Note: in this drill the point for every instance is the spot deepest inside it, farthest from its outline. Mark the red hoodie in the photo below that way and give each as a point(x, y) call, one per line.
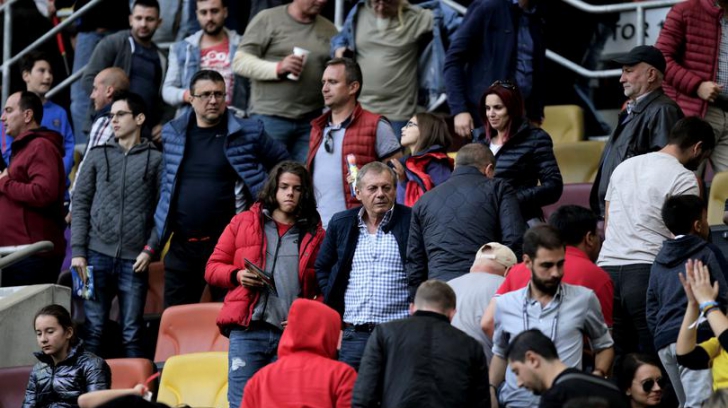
point(31, 196)
point(306, 374)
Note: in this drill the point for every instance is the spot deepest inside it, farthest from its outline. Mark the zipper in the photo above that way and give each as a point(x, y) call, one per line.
point(121, 210)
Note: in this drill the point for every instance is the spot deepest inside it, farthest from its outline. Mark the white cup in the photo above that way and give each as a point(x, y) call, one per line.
point(300, 52)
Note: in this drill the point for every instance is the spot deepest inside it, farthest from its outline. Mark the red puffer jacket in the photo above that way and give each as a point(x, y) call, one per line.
point(244, 238)
point(690, 41)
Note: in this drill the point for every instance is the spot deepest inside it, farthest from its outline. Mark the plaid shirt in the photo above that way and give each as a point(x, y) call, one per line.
point(722, 75)
point(377, 291)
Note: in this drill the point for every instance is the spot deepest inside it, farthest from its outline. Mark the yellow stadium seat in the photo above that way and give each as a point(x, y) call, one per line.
point(578, 161)
point(197, 380)
point(564, 123)
point(716, 198)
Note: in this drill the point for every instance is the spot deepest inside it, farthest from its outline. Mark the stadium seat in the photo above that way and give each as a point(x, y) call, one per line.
point(128, 372)
point(716, 198)
point(564, 123)
point(189, 329)
point(576, 194)
point(13, 381)
point(578, 161)
point(197, 380)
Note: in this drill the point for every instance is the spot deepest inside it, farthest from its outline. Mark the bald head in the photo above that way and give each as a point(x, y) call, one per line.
point(106, 83)
point(476, 155)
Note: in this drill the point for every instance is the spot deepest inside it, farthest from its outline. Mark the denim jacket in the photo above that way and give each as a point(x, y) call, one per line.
point(432, 56)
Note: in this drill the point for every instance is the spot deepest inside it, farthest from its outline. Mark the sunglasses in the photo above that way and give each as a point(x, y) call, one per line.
point(648, 385)
point(328, 142)
point(505, 84)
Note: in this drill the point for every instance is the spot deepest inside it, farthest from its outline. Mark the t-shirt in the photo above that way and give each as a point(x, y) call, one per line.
point(327, 180)
point(217, 58)
point(718, 362)
point(387, 50)
point(578, 270)
point(146, 77)
point(204, 201)
point(572, 383)
point(271, 36)
point(637, 190)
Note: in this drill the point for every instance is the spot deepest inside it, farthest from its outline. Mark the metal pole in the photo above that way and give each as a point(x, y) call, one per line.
point(68, 81)
point(339, 14)
point(6, 5)
point(640, 24)
point(612, 8)
point(581, 70)
point(7, 43)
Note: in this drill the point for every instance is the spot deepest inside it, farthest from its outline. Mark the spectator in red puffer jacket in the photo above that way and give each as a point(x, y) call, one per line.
point(306, 373)
point(280, 235)
point(694, 41)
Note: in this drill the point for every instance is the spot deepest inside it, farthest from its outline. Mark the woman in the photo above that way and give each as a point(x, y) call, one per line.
point(65, 370)
point(265, 258)
point(524, 153)
point(428, 164)
point(641, 379)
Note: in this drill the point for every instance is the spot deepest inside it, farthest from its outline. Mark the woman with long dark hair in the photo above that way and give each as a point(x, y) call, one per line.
point(265, 258)
point(427, 165)
point(524, 153)
point(640, 378)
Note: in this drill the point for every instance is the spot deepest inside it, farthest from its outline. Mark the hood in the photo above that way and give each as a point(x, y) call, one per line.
point(41, 133)
point(312, 327)
point(675, 251)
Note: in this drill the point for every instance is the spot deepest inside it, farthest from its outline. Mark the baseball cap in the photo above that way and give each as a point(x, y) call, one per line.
point(497, 252)
point(643, 53)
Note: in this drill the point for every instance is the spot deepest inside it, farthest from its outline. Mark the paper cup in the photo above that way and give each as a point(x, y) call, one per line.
point(298, 51)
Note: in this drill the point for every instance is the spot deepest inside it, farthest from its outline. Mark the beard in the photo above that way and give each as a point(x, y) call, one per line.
point(215, 30)
point(548, 287)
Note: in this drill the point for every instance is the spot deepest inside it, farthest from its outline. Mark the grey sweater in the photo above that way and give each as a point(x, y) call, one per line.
point(114, 200)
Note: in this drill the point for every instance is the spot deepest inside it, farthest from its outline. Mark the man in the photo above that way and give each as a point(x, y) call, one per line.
point(565, 313)
point(633, 224)
point(346, 129)
point(422, 360)
point(498, 40)
point(360, 267)
point(31, 191)
point(113, 209)
point(38, 78)
point(285, 84)
point(687, 219)
point(135, 53)
point(444, 238)
point(643, 127)
point(212, 47)
point(306, 367)
point(475, 290)
point(577, 226)
point(693, 30)
point(535, 362)
point(215, 164)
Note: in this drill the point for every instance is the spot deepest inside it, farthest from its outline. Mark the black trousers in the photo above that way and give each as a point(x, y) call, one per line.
point(184, 272)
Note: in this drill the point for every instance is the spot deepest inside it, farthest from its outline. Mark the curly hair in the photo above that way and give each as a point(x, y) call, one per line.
point(306, 212)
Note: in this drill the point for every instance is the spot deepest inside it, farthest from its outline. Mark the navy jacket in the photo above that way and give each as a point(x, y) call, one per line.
point(333, 264)
point(483, 50)
point(247, 147)
point(666, 300)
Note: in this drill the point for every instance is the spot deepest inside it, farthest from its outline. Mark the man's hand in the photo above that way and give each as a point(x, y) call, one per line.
point(157, 133)
point(399, 170)
point(79, 264)
point(142, 262)
point(699, 279)
point(249, 279)
point(709, 90)
point(292, 64)
point(339, 53)
point(3, 174)
point(464, 125)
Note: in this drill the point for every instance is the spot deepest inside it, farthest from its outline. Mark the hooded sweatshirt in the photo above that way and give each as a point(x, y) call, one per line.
point(31, 196)
point(666, 300)
point(306, 373)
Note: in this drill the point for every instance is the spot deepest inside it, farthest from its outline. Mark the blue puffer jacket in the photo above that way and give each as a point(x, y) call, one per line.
point(432, 58)
point(247, 147)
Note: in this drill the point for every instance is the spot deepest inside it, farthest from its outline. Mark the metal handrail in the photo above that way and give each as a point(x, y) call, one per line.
point(18, 253)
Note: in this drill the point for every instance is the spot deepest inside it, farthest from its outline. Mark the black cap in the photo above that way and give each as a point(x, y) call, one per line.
point(643, 53)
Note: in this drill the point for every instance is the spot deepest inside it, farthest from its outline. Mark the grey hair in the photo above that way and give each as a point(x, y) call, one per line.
point(378, 168)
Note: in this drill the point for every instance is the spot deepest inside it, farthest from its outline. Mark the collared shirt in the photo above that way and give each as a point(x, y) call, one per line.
point(377, 291)
point(722, 76)
point(573, 312)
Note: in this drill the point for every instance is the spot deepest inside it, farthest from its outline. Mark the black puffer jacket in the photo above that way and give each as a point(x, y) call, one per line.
point(453, 220)
point(526, 159)
point(59, 386)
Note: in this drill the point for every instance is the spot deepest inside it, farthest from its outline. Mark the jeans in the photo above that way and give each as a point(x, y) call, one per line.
point(86, 42)
point(293, 133)
point(116, 277)
point(691, 386)
point(250, 350)
point(33, 270)
point(352, 347)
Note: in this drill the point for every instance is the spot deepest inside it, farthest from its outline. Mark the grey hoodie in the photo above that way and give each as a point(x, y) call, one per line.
point(114, 200)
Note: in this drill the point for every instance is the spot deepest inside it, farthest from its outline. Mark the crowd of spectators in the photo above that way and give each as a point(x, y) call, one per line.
point(295, 171)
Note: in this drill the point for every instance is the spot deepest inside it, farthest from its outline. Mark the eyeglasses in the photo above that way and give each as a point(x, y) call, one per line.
point(119, 114)
point(410, 124)
point(328, 142)
point(504, 83)
point(206, 96)
point(648, 385)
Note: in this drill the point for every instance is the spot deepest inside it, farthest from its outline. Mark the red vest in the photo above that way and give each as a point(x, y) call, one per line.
point(360, 140)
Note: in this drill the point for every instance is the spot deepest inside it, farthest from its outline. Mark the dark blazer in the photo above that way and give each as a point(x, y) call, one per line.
point(333, 264)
